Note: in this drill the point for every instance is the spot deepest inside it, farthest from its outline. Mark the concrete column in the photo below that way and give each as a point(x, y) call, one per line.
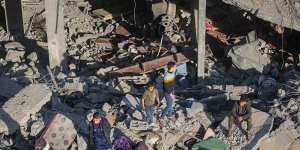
point(14, 17)
point(200, 27)
point(55, 32)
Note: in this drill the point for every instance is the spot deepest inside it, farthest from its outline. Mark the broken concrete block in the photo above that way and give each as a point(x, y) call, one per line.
point(137, 115)
point(138, 125)
point(162, 8)
point(235, 92)
point(16, 111)
point(74, 85)
point(14, 55)
point(36, 128)
point(8, 87)
point(103, 71)
point(14, 45)
point(106, 107)
point(247, 57)
point(209, 133)
point(123, 87)
point(131, 101)
point(32, 57)
point(81, 143)
point(60, 132)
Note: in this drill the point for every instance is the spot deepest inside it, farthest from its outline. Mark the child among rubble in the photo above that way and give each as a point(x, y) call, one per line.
point(241, 111)
point(168, 85)
point(99, 133)
point(149, 99)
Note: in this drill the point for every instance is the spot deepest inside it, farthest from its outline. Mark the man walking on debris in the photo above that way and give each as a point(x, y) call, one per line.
point(99, 133)
point(241, 111)
point(168, 84)
point(150, 97)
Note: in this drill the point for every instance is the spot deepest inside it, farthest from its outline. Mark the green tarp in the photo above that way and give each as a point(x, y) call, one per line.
point(210, 144)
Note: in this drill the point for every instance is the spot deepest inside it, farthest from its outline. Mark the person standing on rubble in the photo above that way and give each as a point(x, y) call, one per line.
point(241, 111)
point(150, 97)
point(99, 133)
point(168, 85)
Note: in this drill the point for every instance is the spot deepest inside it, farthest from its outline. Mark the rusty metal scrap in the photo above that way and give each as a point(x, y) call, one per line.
point(158, 63)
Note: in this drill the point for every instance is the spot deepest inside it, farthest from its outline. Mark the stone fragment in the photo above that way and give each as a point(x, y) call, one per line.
point(17, 110)
point(14, 55)
point(131, 101)
point(137, 115)
point(81, 142)
point(247, 56)
point(138, 125)
point(106, 107)
point(36, 128)
point(74, 85)
point(14, 45)
point(32, 57)
point(209, 133)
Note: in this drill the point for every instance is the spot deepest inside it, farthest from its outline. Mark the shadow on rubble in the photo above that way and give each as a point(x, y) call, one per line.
point(13, 130)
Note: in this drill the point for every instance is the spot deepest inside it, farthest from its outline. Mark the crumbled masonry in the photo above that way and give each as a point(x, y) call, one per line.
point(88, 56)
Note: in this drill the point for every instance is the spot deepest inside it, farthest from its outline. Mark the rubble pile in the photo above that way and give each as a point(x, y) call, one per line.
point(110, 59)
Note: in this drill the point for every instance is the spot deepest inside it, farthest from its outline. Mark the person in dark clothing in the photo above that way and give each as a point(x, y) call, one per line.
point(168, 85)
point(99, 133)
point(241, 111)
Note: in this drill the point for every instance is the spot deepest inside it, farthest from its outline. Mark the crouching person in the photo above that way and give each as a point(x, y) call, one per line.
point(241, 111)
point(149, 100)
point(99, 133)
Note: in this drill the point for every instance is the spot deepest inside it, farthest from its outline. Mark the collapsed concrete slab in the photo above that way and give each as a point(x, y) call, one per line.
point(282, 140)
point(282, 12)
point(262, 125)
point(60, 132)
point(17, 110)
point(8, 87)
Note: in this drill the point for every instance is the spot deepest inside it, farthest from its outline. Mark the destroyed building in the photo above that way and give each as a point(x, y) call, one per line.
point(63, 60)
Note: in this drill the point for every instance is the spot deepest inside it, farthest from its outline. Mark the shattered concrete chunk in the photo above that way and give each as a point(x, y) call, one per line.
point(8, 87)
point(138, 115)
point(247, 57)
point(16, 111)
point(36, 127)
point(32, 57)
point(14, 55)
point(235, 92)
point(75, 85)
point(106, 107)
point(130, 101)
point(60, 132)
point(14, 45)
point(81, 142)
point(138, 125)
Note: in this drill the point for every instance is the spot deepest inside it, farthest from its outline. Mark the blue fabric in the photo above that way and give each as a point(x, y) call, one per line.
point(168, 111)
point(100, 140)
point(149, 112)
